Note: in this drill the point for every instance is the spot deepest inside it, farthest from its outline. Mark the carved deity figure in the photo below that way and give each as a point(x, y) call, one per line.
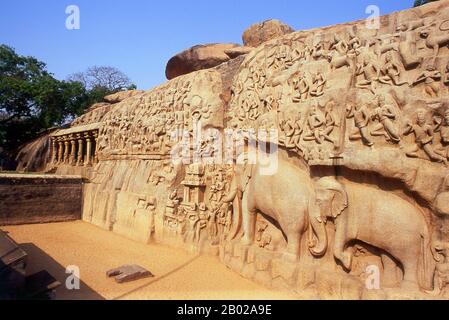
point(446, 75)
point(340, 45)
point(320, 125)
point(385, 115)
point(431, 78)
point(370, 73)
point(301, 87)
point(361, 117)
point(391, 71)
point(291, 129)
point(318, 83)
point(424, 135)
point(443, 129)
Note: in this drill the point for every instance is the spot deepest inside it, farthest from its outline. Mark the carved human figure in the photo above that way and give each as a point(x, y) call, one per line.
point(431, 78)
point(385, 115)
point(370, 73)
point(443, 128)
point(361, 117)
point(318, 83)
point(446, 75)
point(359, 213)
point(354, 44)
point(424, 135)
point(339, 44)
point(318, 51)
point(292, 130)
point(315, 123)
point(301, 87)
point(441, 278)
point(391, 71)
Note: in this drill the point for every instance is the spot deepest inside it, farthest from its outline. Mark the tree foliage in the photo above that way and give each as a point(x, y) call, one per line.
point(32, 100)
point(422, 2)
point(106, 77)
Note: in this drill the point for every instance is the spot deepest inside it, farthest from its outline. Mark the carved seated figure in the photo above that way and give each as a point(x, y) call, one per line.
point(385, 115)
point(391, 72)
point(431, 77)
point(423, 138)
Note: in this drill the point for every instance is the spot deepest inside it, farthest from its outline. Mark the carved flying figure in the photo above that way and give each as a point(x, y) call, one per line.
point(370, 73)
point(361, 117)
point(431, 78)
point(443, 128)
point(391, 71)
point(385, 115)
point(424, 135)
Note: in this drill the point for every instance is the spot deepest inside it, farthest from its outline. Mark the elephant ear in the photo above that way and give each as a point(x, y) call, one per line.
point(339, 201)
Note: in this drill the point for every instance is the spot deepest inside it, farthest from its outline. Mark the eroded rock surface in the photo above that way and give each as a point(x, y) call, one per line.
point(262, 32)
point(202, 57)
point(351, 194)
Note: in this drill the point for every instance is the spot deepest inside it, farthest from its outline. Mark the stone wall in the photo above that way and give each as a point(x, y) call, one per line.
point(361, 122)
point(26, 198)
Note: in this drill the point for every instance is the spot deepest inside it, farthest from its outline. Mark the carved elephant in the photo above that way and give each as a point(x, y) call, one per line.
point(380, 219)
point(283, 197)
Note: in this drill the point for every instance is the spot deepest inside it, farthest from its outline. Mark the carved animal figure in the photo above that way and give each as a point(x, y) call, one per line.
point(283, 196)
point(434, 41)
point(379, 218)
point(338, 61)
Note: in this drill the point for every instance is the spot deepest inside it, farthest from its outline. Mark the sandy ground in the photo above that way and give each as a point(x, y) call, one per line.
point(178, 274)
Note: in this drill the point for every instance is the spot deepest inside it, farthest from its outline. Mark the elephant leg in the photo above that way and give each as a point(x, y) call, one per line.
point(249, 221)
point(340, 252)
point(293, 245)
point(391, 270)
point(410, 266)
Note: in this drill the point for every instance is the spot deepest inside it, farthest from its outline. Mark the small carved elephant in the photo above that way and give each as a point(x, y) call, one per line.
point(381, 219)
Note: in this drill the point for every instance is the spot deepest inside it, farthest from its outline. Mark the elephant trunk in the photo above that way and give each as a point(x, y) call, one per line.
point(427, 263)
point(232, 192)
point(319, 229)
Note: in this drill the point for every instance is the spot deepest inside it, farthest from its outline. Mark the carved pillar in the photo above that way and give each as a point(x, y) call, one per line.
point(80, 161)
point(95, 146)
point(88, 160)
point(66, 150)
point(60, 150)
point(53, 150)
point(72, 151)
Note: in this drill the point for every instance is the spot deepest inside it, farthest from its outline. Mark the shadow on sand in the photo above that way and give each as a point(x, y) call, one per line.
point(39, 260)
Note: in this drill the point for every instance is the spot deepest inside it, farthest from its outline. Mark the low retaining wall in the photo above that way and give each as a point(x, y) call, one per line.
point(28, 198)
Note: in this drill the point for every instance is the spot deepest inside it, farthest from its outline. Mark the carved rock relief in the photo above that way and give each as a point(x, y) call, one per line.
point(362, 180)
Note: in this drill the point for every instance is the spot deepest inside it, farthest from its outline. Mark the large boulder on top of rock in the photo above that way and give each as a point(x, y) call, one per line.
point(121, 95)
point(202, 57)
point(262, 32)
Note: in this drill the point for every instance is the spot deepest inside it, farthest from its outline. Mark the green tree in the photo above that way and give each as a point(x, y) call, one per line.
point(422, 2)
point(32, 100)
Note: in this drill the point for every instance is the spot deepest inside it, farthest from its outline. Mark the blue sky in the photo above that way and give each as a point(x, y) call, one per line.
point(139, 36)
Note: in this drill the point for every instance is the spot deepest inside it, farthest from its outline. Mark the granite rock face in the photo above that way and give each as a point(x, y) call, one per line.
point(202, 57)
point(317, 162)
point(262, 32)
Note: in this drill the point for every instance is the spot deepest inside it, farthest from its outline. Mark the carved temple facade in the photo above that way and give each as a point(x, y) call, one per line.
point(75, 146)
